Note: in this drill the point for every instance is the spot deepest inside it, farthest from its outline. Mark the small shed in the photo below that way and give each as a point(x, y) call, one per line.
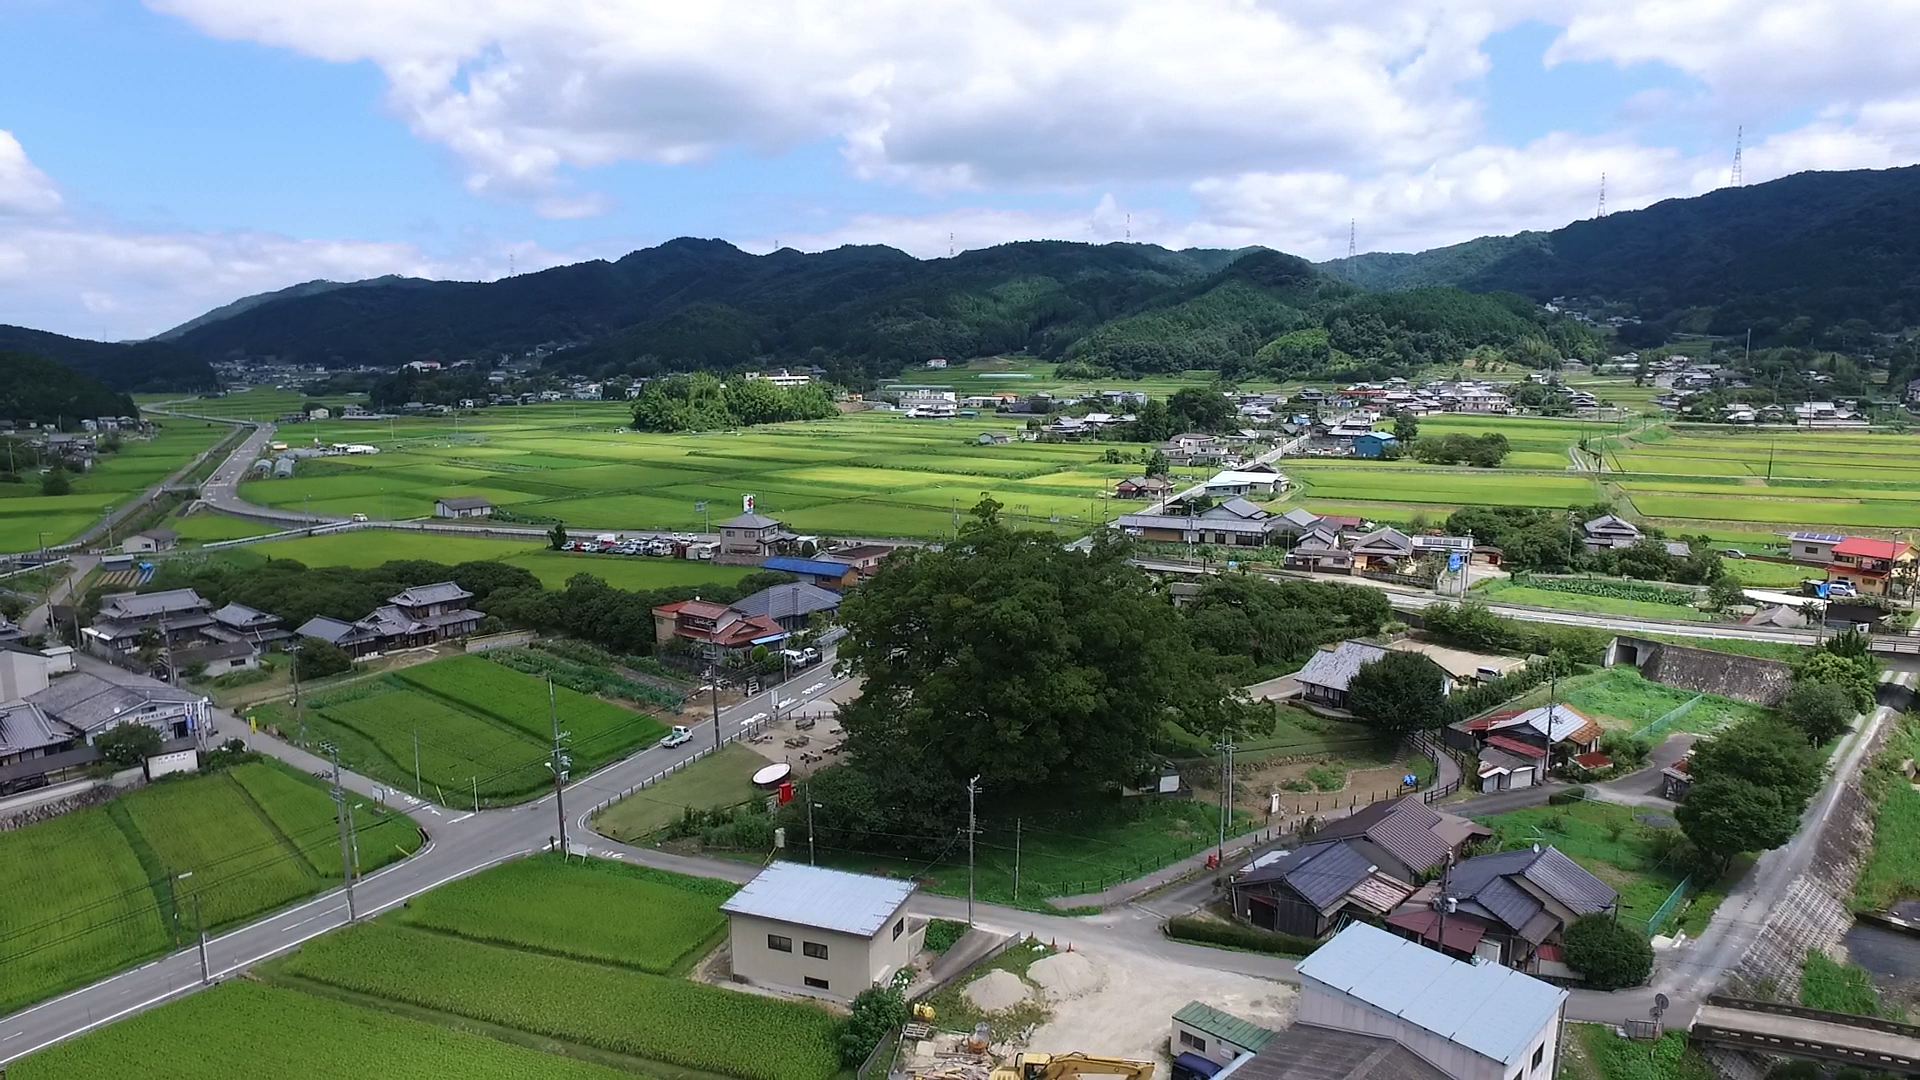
point(463, 506)
point(1375, 444)
point(825, 933)
point(150, 542)
point(1217, 1036)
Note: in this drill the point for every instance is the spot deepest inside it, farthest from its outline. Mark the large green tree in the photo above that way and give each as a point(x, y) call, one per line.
point(1767, 753)
point(1857, 675)
point(1253, 628)
point(1726, 815)
point(1822, 710)
point(1005, 655)
point(1610, 955)
point(1400, 693)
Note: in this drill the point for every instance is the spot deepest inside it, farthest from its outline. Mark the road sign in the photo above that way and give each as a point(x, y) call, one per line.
point(1453, 562)
point(700, 507)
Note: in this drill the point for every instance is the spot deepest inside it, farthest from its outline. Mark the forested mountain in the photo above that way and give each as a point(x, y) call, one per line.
point(1791, 258)
point(247, 303)
point(131, 367)
point(42, 391)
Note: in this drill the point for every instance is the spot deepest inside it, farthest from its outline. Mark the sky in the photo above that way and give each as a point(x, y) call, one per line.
point(158, 159)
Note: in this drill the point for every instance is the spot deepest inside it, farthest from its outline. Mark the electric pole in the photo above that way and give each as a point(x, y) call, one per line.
point(973, 789)
point(809, 796)
point(342, 812)
point(1016, 860)
point(559, 766)
point(713, 695)
point(1226, 749)
point(416, 763)
point(200, 930)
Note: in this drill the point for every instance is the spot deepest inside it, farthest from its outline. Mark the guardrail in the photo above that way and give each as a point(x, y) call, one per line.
point(752, 727)
point(1891, 1027)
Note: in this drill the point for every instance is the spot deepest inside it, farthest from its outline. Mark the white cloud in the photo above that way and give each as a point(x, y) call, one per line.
point(955, 95)
point(24, 189)
point(98, 279)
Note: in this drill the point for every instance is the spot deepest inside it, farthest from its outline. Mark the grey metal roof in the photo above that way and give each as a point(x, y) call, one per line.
point(149, 605)
point(818, 897)
point(1307, 1052)
point(464, 502)
point(1403, 828)
point(750, 521)
point(1611, 523)
point(165, 536)
point(1336, 667)
point(1488, 881)
point(1301, 517)
point(1237, 507)
point(793, 600)
point(88, 702)
point(330, 630)
point(244, 617)
point(1495, 1011)
point(1570, 883)
point(24, 727)
point(1385, 537)
point(1323, 873)
point(1182, 521)
point(440, 592)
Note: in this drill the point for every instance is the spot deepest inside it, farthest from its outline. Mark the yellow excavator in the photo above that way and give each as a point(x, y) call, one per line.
point(1063, 1066)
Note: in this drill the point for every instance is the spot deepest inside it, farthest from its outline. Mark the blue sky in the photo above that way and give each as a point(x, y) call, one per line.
point(159, 159)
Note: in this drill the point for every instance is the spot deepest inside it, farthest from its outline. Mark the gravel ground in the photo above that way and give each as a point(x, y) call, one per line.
point(996, 990)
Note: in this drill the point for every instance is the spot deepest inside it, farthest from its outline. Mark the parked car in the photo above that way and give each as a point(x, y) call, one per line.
point(1733, 553)
point(1841, 589)
point(356, 517)
point(679, 736)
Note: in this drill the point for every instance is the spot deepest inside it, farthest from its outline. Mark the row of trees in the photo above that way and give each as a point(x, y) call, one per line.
point(701, 402)
point(1482, 451)
point(1552, 541)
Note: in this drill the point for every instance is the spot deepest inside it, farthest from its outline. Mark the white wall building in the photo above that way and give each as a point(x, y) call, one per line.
point(826, 933)
point(1470, 1021)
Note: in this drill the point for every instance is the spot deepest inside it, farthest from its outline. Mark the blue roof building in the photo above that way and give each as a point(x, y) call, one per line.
point(1375, 444)
point(832, 575)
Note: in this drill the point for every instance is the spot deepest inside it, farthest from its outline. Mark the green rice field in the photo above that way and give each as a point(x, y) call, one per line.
point(29, 519)
point(89, 893)
point(479, 730)
point(553, 568)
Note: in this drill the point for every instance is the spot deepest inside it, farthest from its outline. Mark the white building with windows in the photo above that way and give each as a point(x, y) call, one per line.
point(825, 933)
point(1469, 1021)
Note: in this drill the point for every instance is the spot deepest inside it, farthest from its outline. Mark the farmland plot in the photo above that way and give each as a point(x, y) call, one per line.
point(245, 1029)
point(600, 731)
point(537, 904)
point(648, 1016)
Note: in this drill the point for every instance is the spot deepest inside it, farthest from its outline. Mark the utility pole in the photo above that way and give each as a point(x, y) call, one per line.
point(559, 767)
point(973, 789)
point(808, 791)
point(299, 713)
point(1226, 749)
point(416, 764)
point(342, 812)
point(713, 696)
point(1016, 860)
point(200, 930)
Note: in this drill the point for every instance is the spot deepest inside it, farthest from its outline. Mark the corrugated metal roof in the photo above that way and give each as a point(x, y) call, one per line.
point(1336, 667)
point(1570, 883)
point(1211, 1021)
point(818, 897)
point(814, 567)
point(1492, 1010)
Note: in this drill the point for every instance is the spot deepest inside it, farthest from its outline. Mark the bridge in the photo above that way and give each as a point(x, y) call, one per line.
point(1771, 1028)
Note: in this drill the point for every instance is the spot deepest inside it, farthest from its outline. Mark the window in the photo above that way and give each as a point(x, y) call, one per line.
point(1193, 1042)
point(779, 943)
point(817, 984)
point(814, 949)
point(898, 926)
point(1539, 1055)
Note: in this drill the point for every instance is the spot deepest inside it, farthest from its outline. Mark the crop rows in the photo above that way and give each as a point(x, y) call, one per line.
point(538, 904)
point(309, 822)
point(650, 1016)
point(1618, 590)
point(245, 1029)
point(599, 731)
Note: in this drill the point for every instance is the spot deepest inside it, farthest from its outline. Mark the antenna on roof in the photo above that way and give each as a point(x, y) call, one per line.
point(1739, 136)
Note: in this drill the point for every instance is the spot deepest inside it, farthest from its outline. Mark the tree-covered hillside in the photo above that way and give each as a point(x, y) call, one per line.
point(39, 390)
point(1791, 259)
point(133, 367)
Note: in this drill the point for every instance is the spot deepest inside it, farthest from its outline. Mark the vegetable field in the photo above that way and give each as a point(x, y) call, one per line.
point(88, 893)
point(1646, 593)
point(654, 1017)
point(537, 904)
point(245, 1029)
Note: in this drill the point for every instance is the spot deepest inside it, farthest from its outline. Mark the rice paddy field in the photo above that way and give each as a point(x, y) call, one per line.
point(479, 730)
point(89, 892)
point(29, 519)
point(871, 475)
point(553, 568)
point(254, 403)
point(516, 972)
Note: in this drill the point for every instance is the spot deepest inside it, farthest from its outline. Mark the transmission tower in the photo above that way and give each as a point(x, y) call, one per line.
point(1352, 227)
point(1129, 227)
point(949, 245)
point(1739, 136)
point(1603, 196)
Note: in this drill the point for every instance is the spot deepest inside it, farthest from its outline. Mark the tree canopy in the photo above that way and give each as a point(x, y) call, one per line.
point(1008, 657)
point(1610, 955)
point(1400, 693)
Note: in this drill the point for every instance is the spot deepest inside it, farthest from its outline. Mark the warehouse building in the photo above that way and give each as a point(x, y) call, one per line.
point(824, 933)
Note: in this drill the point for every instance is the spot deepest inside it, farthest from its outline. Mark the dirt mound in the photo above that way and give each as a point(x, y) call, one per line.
point(1066, 975)
point(996, 991)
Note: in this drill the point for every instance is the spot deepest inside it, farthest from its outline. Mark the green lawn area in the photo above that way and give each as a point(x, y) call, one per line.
point(722, 779)
point(1295, 732)
point(1617, 847)
point(1892, 873)
point(88, 894)
point(1506, 592)
point(206, 527)
point(1621, 699)
point(1062, 853)
point(1758, 573)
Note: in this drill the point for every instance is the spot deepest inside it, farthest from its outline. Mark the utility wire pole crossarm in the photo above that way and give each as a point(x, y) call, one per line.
point(342, 811)
point(559, 765)
point(973, 789)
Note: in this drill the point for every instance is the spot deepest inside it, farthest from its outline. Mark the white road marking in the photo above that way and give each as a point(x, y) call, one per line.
point(814, 688)
point(461, 818)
